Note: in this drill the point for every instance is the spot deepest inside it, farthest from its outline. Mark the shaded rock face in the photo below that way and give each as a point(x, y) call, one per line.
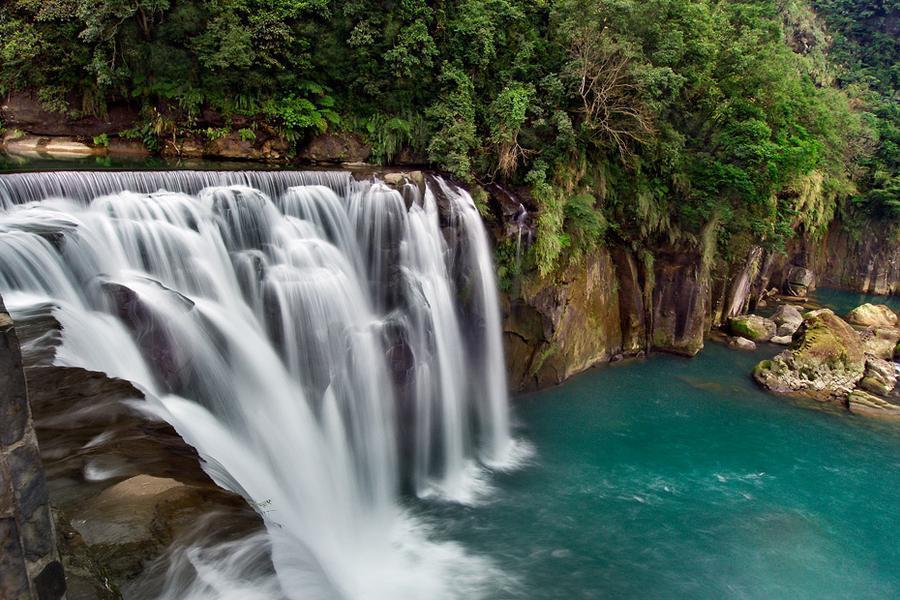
point(25, 112)
point(560, 328)
point(825, 362)
point(29, 563)
point(681, 303)
point(753, 327)
point(336, 148)
point(800, 282)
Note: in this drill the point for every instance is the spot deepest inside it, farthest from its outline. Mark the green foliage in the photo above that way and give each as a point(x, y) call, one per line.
point(702, 122)
point(101, 140)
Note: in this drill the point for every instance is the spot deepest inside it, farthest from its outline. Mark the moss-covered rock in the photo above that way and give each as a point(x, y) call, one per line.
point(752, 327)
point(825, 361)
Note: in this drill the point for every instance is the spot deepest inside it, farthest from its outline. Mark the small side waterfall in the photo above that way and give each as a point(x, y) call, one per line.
point(325, 343)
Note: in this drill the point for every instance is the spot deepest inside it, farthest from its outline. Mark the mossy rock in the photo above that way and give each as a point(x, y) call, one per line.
point(826, 361)
point(752, 327)
point(872, 315)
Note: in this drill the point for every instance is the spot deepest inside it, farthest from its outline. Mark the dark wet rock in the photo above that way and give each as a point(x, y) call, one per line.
point(800, 282)
point(93, 439)
point(25, 112)
point(335, 148)
point(681, 307)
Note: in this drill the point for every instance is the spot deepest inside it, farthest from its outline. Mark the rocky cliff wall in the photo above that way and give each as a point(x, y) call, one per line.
point(29, 562)
point(610, 305)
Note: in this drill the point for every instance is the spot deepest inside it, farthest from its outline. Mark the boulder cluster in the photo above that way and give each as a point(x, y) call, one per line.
point(848, 361)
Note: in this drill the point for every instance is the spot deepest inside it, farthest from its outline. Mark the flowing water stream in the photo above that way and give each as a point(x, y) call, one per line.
point(327, 344)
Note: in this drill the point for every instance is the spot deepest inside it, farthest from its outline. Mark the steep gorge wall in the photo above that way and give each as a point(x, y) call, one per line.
point(610, 305)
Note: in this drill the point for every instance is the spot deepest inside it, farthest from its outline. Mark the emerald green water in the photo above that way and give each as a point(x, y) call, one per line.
point(678, 478)
point(843, 302)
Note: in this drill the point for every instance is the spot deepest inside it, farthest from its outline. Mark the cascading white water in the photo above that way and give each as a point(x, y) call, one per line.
point(323, 342)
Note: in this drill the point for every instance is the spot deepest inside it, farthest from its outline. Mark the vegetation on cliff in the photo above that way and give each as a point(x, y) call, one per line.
point(700, 122)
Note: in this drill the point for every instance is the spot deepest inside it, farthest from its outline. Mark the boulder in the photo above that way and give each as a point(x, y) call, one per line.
point(872, 315)
point(788, 319)
point(782, 340)
point(800, 281)
point(753, 327)
point(879, 377)
point(880, 342)
point(825, 361)
point(741, 343)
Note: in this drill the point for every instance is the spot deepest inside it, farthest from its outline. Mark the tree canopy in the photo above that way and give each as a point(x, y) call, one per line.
point(699, 121)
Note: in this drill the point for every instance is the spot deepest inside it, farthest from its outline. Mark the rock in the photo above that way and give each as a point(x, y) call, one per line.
point(754, 327)
point(24, 111)
point(879, 377)
point(782, 340)
point(336, 148)
point(862, 402)
point(681, 305)
point(800, 281)
point(872, 315)
point(741, 343)
point(825, 362)
point(788, 319)
point(880, 342)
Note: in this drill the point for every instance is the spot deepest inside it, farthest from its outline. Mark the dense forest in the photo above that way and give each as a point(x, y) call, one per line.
point(715, 124)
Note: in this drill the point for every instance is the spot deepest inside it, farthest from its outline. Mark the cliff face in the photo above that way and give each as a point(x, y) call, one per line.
point(29, 563)
point(611, 305)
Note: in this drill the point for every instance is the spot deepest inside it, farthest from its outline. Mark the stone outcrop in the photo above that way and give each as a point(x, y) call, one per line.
point(800, 282)
point(681, 315)
point(336, 148)
point(830, 361)
point(29, 562)
point(752, 327)
point(556, 329)
point(879, 376)
point(825, 362)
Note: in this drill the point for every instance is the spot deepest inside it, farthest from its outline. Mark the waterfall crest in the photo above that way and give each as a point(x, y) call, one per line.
point(325, 343)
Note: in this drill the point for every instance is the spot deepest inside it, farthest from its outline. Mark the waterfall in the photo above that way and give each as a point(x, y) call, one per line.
point(325, 343)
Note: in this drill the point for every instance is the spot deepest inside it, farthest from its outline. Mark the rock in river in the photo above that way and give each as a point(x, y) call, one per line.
point(752, 327)
point(825, 362)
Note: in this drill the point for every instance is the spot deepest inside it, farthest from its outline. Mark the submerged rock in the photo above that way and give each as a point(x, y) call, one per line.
point(862, 402)
point(741, 343)
point(872, 315)
point(753, 327)
point(825, 362)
